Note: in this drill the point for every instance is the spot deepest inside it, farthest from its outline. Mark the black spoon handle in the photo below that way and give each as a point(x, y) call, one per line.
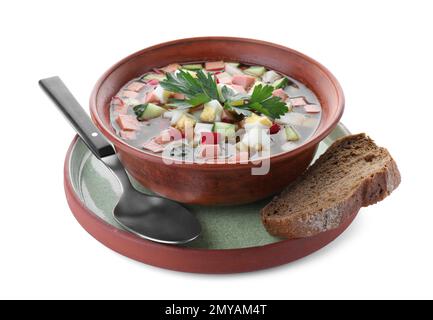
point(69, 106)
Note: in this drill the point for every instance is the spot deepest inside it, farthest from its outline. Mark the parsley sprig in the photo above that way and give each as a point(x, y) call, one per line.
point(263, 102)
point(203, 88)
point(233, 101)
point(196, 90)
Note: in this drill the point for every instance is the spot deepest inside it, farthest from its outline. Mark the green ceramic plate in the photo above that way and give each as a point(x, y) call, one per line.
point(223, 227)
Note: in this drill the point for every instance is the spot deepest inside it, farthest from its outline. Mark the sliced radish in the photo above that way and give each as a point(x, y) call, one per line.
point(214, 65)
point(275, 128)
point(153, 82)
point(298, 101)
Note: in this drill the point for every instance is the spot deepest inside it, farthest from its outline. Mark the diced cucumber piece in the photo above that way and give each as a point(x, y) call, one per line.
point(270, 76)
point(281, 83)
point(192, 67)
point(227, 130)
point(291, 134)
point(153, 76)
point(220, 89)
point(148, 111)
point(256, 71)
point(233, 64)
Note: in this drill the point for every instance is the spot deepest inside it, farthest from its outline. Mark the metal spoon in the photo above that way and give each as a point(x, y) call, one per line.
point(150, 217)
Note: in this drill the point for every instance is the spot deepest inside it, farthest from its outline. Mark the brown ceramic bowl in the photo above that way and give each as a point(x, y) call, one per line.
point(209, 184)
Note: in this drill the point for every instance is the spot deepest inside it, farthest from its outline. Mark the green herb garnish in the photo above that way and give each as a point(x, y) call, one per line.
point(208, 84)
point(196, 90)
point(203, 89)
point(234, 101)
point(185, 104)
point(230, 95)
point(263, 102)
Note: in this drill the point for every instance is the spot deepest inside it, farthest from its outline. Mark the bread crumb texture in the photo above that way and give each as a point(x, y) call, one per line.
point(353, 173)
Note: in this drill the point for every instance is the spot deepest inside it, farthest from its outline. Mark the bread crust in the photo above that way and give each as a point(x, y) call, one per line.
point(371, 190)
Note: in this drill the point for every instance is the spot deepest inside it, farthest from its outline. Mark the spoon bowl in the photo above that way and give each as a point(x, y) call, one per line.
point(153, 218)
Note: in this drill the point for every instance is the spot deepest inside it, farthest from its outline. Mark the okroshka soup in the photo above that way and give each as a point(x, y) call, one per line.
point(214, 112)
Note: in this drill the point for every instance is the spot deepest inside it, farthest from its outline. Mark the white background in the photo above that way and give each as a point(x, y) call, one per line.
point(381, 52)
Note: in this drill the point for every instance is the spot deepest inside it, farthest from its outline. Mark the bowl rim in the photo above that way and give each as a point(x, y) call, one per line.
point(316, 137)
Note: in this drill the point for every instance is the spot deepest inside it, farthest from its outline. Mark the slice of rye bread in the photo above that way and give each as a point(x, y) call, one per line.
point(353, 173)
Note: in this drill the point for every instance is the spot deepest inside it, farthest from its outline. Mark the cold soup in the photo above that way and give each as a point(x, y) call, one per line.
point(215, 111)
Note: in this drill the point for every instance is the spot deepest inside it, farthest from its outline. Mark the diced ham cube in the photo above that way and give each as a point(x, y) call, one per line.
point(281, 94)
point(128, 135)
point(238, 89)
point(239, 157)
point(312, 108)
point(158, 95)
point(119, 105)
point(298, 101)
point(151, 97)
point(120, 109)
point(179, 96)
point(127, 122)
point(214, 65)
point(243, 80)
point(129, 94)
point(135, 86)
point(171, 68)
point(209, 151)
point(210, 138)
point(168, 135)
point(153, 146)
point(153, 82)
